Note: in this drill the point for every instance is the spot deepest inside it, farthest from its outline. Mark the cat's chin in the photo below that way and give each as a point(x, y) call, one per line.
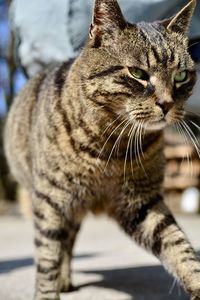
point(154, 126)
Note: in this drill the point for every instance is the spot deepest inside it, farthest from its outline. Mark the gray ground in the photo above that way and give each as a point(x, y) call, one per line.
point(107, 265)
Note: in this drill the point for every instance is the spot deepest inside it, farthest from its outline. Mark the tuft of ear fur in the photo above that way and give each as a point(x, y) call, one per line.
point(181, 21)
point(106, 18)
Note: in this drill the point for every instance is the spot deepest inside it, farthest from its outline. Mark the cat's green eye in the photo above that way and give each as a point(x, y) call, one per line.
point(138, 73)
point(180, 76)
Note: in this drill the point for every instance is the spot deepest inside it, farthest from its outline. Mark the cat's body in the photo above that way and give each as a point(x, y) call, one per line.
point(89, 137)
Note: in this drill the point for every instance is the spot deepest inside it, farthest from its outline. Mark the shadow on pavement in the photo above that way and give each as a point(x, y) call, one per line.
point(140, 283)
point(11, 265)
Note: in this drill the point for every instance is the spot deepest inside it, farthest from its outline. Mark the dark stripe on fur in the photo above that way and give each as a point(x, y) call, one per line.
point(38, 243)
point(131, 83)
point(131, 223)
point(165, 223)
point(53, 234)
point(41, 77)
point(53, 277)
point(67, 125)
point(68, 176)
point(123, 82)
point(38, 214)
point(186, 259)
point(96, 102)
point(60, 76)
point(188, 250)
point(107, 94)
point(175, 243)
point(53, 182)
point(172, 57)
point(91, 151)
point(88, 131)
point(156, 55)
point(45, 270)
point(109, 71)
point(92, 97)
point(48, 200)
point(148, 62)
point(64, 116)
point(37, 88)
point(97, 42)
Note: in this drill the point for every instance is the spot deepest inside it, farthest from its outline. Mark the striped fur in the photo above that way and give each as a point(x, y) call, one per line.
point(88, 136)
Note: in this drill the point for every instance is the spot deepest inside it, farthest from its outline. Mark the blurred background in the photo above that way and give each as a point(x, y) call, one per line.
point(39, 33)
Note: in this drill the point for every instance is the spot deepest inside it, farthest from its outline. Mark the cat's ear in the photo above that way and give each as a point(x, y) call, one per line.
point(181, 21)
point(107, 17)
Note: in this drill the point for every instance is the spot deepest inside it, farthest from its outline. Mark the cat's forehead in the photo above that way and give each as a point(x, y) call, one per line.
point(153, 46)
point(154, 33)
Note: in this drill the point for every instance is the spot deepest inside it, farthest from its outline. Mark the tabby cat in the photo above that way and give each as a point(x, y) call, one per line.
point(88, 136)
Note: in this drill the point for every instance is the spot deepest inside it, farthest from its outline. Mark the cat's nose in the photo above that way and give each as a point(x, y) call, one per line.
point(165, 106)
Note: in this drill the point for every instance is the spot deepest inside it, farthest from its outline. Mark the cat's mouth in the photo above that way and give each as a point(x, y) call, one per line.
point(157, 125)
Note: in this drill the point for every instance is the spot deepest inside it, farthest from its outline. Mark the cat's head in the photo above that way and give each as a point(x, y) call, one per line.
point(141, 71)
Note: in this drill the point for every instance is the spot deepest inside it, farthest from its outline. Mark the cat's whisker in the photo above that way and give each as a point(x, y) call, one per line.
point(196, 43)
point(138, 148)
point(191, 136)
point(195, 125)
point(135, 147)
point(185, 139)
point(127, 148)
point(138, 143)
point(191, 113)
point(131, 148)
point(111, 152)
point(182, 135)
point(111, 124)
point(190, 163)
point(141, 134)
point(114, 130)
point(117, 147)
point(191, 132)
point(172, 286)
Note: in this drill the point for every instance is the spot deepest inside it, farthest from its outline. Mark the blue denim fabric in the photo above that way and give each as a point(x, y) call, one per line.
point(37, 43)
point(150, 10)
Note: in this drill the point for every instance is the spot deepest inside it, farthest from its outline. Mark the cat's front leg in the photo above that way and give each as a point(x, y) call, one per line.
point(65, 278)
point(152, 225)
point(54, 239)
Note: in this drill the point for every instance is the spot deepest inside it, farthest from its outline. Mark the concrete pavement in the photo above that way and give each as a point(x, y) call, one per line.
point(107, 264)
